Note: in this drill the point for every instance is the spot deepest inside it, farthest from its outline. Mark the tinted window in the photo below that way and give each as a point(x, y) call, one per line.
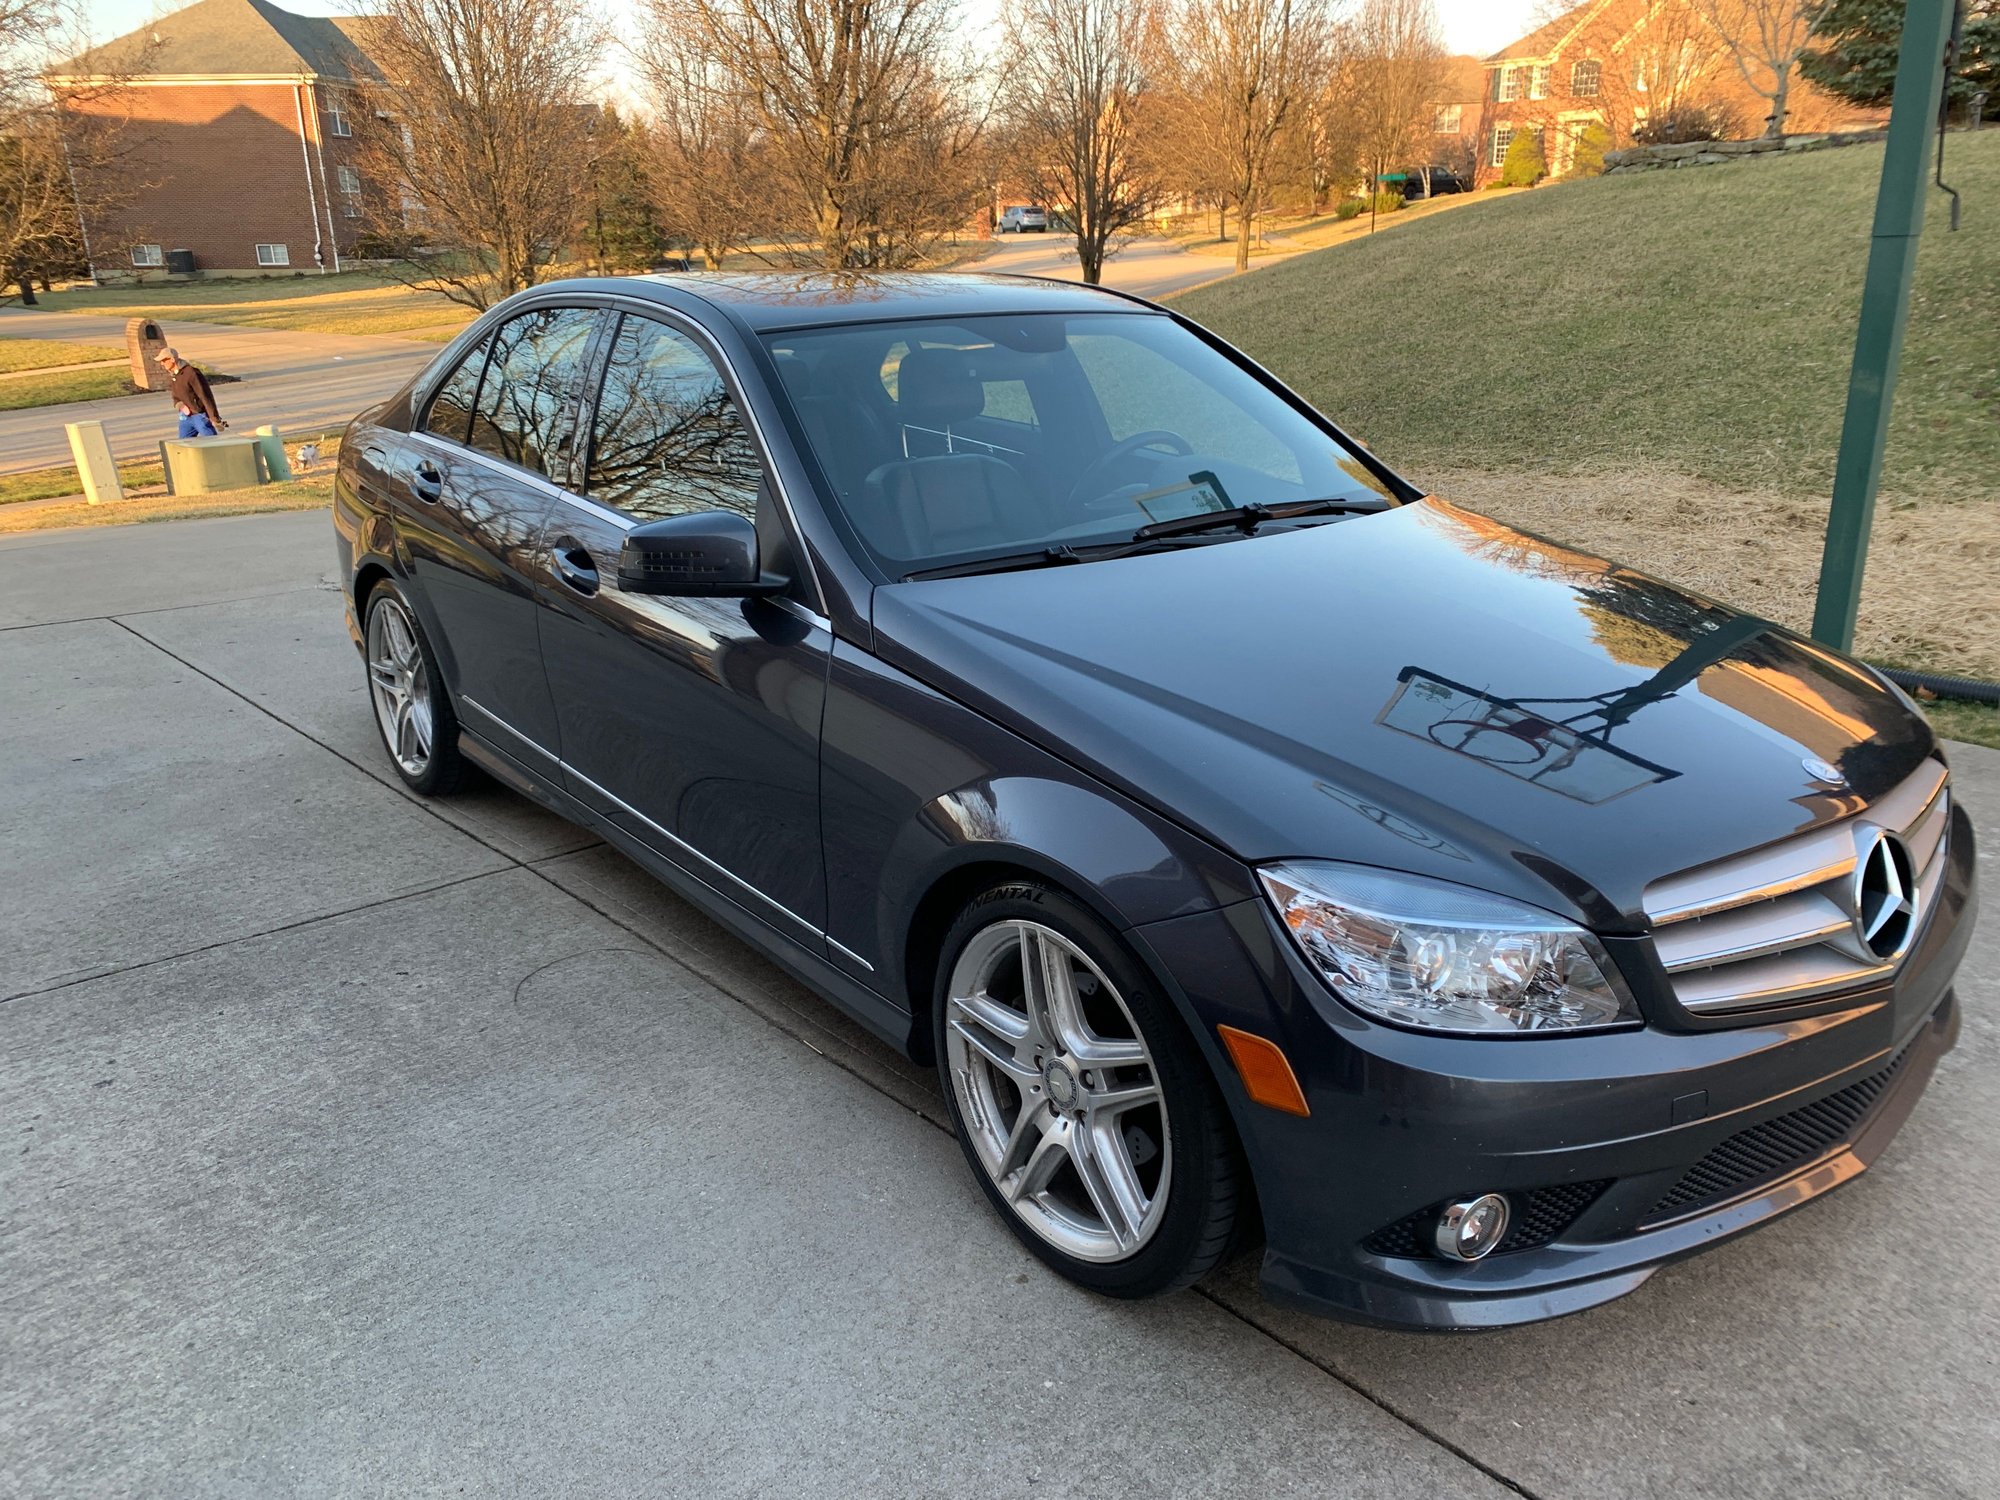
point(532, 380)
point(451, 408)
point(668, 441)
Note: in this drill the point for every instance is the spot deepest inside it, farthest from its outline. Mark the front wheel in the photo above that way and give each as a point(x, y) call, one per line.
point(412, 709)
point(1089, 1118)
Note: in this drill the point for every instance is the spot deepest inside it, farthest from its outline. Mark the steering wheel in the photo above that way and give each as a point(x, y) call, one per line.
point(1090, 483)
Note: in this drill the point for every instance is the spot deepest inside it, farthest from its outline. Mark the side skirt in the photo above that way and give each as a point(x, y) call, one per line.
point(887, 1020)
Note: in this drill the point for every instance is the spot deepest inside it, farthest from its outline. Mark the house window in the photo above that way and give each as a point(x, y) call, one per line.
point(1503, 137)
point(1448, 119)
point(1585, 78)
point(336, 119)
point(1510, 84)
point(350, 191)
point(273, 255)
point(1538, 82)
point(148, 255)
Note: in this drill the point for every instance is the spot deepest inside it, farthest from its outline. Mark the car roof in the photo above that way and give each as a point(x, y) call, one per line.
point(765, 301)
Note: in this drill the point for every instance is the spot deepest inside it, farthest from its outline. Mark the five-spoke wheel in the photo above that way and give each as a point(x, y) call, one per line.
point(1079, 1099)
point(411, 708)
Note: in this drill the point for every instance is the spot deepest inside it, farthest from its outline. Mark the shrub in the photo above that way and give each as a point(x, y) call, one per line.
point(1523, 165)
point(1684, 122)
point(1588, 158)
point(1350, 208)
point(1387, 200)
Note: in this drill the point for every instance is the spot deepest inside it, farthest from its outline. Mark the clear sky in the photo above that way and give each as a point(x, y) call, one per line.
point(1475, 26)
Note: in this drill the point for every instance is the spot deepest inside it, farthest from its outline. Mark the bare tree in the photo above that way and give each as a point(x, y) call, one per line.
point(708, 182)
point(484, 140)
point(843, 94)
point(1240, 69)
point(1398, 72)
point(1074, 102)
point(68, 156)
point(1765, 39)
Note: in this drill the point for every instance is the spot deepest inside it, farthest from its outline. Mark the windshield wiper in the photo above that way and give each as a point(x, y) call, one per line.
point(1247, 518)
point(1243, 518)
point(1041, 557)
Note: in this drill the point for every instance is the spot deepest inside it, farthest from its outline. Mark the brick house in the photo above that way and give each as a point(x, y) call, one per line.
point(1622, 63)
point(1456, 118)
point(242, 123)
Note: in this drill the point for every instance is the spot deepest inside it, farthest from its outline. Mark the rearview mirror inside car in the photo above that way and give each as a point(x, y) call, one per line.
point(709, 555)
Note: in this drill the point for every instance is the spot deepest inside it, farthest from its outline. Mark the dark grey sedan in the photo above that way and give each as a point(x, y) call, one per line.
point(1260, 847)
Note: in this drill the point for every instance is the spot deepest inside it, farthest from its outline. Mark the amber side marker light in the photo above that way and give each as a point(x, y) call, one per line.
point(1266, 1073)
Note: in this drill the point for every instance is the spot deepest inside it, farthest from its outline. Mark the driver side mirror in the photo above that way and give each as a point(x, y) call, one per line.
point(712, 555)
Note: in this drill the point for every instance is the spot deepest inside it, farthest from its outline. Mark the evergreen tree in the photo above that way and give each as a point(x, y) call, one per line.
point(623, 232)
point(1588, 158)
point(1856, 43)
point(1523, 165)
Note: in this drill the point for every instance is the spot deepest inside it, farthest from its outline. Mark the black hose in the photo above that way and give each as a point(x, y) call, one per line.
point(1944, 687)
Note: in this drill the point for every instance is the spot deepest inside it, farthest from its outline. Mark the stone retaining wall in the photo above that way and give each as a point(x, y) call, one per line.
point(1708, 153)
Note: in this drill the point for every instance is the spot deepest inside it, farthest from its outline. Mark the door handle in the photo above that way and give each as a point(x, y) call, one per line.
point(427, 482)
point(574, 565)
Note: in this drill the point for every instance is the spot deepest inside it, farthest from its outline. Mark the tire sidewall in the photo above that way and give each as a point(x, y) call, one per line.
point(1196, 1124)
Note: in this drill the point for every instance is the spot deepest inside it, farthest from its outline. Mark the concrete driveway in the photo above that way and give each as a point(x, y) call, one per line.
point(300, 381)
point(355, 1145)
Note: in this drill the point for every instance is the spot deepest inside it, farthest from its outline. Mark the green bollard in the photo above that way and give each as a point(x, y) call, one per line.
point(272, 447)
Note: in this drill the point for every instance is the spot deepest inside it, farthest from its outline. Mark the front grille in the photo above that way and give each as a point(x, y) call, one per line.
point(1762, 1154)
point(1781, 923)
point(1539, 1216)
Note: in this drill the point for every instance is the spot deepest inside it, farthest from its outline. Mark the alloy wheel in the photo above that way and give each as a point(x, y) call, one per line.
point(400, 684)
point(1058, 1091)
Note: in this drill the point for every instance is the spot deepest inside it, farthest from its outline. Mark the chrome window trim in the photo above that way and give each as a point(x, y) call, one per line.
point(799, 611)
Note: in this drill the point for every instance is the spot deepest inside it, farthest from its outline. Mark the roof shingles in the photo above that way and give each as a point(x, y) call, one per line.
point(230, 39)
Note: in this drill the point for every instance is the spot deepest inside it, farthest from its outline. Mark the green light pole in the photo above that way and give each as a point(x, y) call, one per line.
point(1885, 311)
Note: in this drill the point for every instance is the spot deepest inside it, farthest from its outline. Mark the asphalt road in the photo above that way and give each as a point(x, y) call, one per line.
point(357, 1145)
point(299, 381)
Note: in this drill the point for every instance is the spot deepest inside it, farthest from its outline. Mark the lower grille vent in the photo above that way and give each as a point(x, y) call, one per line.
point(1766, 1152)
point(1539, 1216)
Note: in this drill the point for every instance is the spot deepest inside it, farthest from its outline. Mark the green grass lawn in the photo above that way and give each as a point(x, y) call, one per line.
point(44, 354)
point(57, 387)
point(350, 302)
point(312, 492)
point(1700, 319)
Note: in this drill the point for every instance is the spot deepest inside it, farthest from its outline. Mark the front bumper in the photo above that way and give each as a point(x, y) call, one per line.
point(1633, 1148)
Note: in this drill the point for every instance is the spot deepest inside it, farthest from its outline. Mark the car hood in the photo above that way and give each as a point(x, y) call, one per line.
point(1423, 689)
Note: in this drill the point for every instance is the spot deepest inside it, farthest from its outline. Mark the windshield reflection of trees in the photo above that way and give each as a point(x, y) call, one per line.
point(527, 397)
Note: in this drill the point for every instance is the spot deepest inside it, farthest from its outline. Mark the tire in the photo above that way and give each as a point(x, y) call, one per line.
point(1127, 1196)
point(413, 709)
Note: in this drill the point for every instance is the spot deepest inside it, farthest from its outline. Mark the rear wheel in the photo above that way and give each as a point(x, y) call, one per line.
point(412, 709)
point(1088, 1117)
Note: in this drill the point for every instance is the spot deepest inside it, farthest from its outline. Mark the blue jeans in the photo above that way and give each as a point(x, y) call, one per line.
point(197, 425)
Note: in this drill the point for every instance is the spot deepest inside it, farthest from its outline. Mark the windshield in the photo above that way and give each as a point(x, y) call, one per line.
point(949, 441)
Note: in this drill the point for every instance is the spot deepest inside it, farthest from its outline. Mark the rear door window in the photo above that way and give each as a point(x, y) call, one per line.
point(527, 402)
point(451, 408)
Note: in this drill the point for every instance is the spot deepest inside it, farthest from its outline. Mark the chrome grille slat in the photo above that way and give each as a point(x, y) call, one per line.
point(1788, 921)
point(1775, 925)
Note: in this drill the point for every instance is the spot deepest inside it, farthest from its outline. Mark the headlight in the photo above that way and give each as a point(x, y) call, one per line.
point(1443, 957)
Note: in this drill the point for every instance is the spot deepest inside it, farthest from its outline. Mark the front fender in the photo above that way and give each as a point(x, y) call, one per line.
point(921, 794)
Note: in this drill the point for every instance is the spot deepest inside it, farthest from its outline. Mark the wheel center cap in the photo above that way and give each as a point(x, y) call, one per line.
point(1061, 1084)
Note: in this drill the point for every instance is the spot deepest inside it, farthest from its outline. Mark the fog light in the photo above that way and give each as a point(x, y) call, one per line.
point(1472, 1228)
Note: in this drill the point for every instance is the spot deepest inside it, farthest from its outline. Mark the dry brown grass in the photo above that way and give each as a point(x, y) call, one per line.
point(1931, 600)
